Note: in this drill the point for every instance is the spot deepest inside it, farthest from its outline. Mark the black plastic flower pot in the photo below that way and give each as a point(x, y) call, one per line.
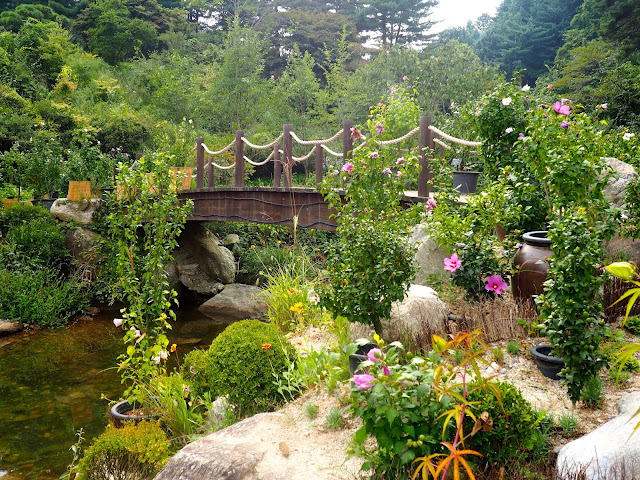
point(465, 181)
point(548, 365)
point(355, 359)
point(121, 412)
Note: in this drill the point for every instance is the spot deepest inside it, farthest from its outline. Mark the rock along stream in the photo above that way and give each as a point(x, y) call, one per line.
point(52, 384)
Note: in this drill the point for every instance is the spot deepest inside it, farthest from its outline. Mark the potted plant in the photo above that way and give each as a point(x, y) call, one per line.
point(465, 180)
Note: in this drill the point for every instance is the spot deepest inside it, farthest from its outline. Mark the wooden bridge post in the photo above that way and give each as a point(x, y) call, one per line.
point(288, 155)
point(277, 166)
point(239, 177)
point(200, 162)
point(426, 147)
point(319, 161)
point(347, 140)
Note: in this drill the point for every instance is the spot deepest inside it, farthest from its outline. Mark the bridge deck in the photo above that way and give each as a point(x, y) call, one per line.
point(275, 206)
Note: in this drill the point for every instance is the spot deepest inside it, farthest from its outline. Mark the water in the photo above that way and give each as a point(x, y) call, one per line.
point(52, 384)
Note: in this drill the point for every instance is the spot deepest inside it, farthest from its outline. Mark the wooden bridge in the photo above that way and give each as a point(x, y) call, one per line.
point(282, 203)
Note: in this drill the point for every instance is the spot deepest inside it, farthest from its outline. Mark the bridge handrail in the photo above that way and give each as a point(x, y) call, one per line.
point(284, 160)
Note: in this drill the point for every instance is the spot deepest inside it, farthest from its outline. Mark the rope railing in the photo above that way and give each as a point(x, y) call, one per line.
point(219, 152)
point(331, 152)
point(284, 160)
point(398, 140)
point(262, 147)
point(316, 142)
point(459, 141)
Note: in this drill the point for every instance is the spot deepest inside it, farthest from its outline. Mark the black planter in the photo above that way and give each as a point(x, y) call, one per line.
point(120, 413)
point(43, 202)
point(106, 192)
point(355, 359)
point(549, 366)
point(465, 181)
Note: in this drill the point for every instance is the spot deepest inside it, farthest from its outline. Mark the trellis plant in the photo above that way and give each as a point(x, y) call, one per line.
point(372, 266)
point(145, 227)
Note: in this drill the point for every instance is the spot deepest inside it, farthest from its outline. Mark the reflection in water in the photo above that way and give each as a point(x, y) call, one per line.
point(52, 384)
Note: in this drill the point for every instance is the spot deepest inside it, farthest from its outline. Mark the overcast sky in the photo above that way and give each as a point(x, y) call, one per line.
point(456, 13)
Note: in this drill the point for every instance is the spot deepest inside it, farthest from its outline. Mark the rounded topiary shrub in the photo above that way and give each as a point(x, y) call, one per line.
point(240, 364)
point(516, 432)
point(134, 452)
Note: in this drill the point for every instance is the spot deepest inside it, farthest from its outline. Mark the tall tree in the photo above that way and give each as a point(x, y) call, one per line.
point(394, 22)
point(526, 35)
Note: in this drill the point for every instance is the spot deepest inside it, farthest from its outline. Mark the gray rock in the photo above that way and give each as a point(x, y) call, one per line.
point(195, 279)
point(236, 302)
point(82, 244)
point(429, 255)
point(9, 326)
point(625, 172)
point(607, 451)
point(214, 259)
point(416, 318)
point(80, 212)
point(229, 454)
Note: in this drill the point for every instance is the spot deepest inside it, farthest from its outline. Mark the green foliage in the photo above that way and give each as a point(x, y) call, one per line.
point(87, 162)
point(514, 347)
point(40, 297)
point(516, 430)
point(373, 264)
point(632, 364)
point(134, 451)
point(633, 325)
point(143, 250)
point(334, 419)
point(592, 394)
point(38, 243)
point(182, 414)
point(241, 363)
point(568, 422)
point(324, 367)
point(20, 214)
point(311, 410)
point(497, 354)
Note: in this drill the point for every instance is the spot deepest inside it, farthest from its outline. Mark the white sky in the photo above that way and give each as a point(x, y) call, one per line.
point(456, 13)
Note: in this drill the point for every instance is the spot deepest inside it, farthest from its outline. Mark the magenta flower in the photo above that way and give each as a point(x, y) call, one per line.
point(453, 263)
point(386, 171)
point(564, 125)
point(347, 167)
point(550, 86)
point(374, 355)
point(385, 370)
point(379, 128)
point(519, 245)
point(117, 322)
point(374, 155)
point(430, 205)
point(400, 161)
point(561, 109)
point(392, 90)
point(364, 381)
point(355, 133)
point(405, 78)
point(495, 284)
point(604, 106)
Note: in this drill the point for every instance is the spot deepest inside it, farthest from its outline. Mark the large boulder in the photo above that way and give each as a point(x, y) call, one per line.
point(429, 255)
point(80, 212)
point(82, 243)
point(607, 451)
point(236, 302)
point(413, 321)
point(625, 173)
point(263, 447)
point(9, 326)
point(202, 262)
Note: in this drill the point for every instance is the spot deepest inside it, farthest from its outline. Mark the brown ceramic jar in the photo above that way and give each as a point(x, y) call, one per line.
point(531, 266)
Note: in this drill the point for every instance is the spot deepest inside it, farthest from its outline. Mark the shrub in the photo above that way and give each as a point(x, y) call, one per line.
point(592, 394)
point(40, 297)
point(19, 214)
point(241, 363)
point(497, 354)
point(633, 325)
point(40, 243)
point(334, 419)
point(568, 422)
point(514, 348)
point(134, 452)
point(516, 426)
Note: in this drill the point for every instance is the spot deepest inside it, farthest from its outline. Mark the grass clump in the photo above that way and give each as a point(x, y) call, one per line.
point(514, 348)
point(568, 422)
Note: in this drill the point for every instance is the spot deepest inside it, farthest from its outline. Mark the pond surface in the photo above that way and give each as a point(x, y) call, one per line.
point(52, 383)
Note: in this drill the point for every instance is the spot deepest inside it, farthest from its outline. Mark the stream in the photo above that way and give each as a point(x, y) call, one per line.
point(55, 382)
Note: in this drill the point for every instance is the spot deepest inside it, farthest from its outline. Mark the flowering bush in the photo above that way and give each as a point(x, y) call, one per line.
point(413, 408)
point(372, 265)
point(145, 225)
